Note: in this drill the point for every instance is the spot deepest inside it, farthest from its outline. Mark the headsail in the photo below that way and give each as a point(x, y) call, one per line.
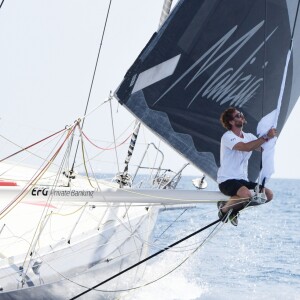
point(207, 56)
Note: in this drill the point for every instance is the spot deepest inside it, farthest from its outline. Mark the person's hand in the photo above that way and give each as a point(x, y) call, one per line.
point(271, 133)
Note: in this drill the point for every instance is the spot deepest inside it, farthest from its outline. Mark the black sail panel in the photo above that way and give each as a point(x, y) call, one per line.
point(207, 56)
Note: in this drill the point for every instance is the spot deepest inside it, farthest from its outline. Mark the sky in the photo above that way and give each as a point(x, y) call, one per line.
point(48, 51)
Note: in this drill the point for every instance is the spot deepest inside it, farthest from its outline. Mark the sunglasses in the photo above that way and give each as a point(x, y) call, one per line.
point(238, 116)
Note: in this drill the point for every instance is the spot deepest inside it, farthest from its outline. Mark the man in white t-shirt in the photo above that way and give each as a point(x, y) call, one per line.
point(236, 149)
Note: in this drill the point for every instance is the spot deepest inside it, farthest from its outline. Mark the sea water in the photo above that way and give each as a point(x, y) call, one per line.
point(258, 259)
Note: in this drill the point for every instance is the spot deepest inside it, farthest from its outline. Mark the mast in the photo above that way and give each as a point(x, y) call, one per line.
point(165, 12)
point(123, 178)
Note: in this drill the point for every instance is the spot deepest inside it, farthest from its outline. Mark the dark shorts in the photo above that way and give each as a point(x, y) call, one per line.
point(231, 186)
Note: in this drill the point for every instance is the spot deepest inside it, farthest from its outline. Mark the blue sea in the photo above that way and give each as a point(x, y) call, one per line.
point(258, 259)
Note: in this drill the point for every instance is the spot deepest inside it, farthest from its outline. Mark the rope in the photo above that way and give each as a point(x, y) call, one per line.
point(35, 179)
point(210, 235)
point(16, 164)
point(84, 160)
point(294, 27)
point(172, 270)
point(146, 259)
point(93, 78)
point(268, 153)
point(43, 220)
point(23, 149)
point(167, 228)
point(113, 130)
point(105, 149)
point(97, 60)
point(98, 154)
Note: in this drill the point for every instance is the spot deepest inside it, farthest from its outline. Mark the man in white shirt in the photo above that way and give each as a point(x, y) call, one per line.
point(236, 149)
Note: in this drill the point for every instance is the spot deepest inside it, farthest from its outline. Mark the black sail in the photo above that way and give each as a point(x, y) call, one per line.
point(209, 55)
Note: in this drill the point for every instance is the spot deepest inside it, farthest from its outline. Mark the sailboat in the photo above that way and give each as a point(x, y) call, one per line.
point(62, 233)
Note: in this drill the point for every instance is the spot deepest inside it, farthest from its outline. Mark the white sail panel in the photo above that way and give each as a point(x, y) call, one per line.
point(156, 74)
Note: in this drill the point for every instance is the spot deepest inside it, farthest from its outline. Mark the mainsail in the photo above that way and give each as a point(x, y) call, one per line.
point(209, 55)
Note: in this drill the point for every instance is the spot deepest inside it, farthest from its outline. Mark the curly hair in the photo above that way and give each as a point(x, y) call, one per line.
point(226, 117)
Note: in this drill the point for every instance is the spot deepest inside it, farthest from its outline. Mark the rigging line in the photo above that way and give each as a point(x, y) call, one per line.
point(179, 248)
point(262, 102)
point(156, 158)
point(152, 245)
point(147, 258)
point(79, 165)
point(84, 159)
point(150, 170)
point(67, 160)
point(44, 215)
point(96, 65)
point(134, 234)
point(294, 26)
point(96, 182)
point(16, 164)
point(283, 82)
point(27, 147)
point(130, 228)
point(1, 4)
point(108, 204)
point(35, 178)
point(93, 173)
point(264, 69)
point(264, 92)
point(159, 247)
point(93, 78)
point(121, 222)
point(157, 238)
point(113, 130)
point(127, 160)
point(105, 149)
point(213, 232)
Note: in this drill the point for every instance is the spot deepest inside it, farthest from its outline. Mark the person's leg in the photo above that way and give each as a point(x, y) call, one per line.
point(269, 194)
point(237, 202)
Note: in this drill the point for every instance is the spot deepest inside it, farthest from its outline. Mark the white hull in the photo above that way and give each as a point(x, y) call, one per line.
point(86, 260)
point(57, 245)
point(83, 264)
point(76, 245)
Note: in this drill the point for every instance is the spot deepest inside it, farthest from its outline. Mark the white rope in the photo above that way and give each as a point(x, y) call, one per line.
point(113, 130)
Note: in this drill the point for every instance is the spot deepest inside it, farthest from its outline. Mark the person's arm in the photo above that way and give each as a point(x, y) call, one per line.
point(250, 146)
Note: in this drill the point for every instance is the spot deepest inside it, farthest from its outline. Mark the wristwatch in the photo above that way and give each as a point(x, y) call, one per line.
point(265, 137)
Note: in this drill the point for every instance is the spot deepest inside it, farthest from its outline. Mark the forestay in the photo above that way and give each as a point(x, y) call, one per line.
point(207, 56)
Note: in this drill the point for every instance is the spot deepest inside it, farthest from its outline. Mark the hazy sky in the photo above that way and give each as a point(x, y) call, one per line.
point(48, 51)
